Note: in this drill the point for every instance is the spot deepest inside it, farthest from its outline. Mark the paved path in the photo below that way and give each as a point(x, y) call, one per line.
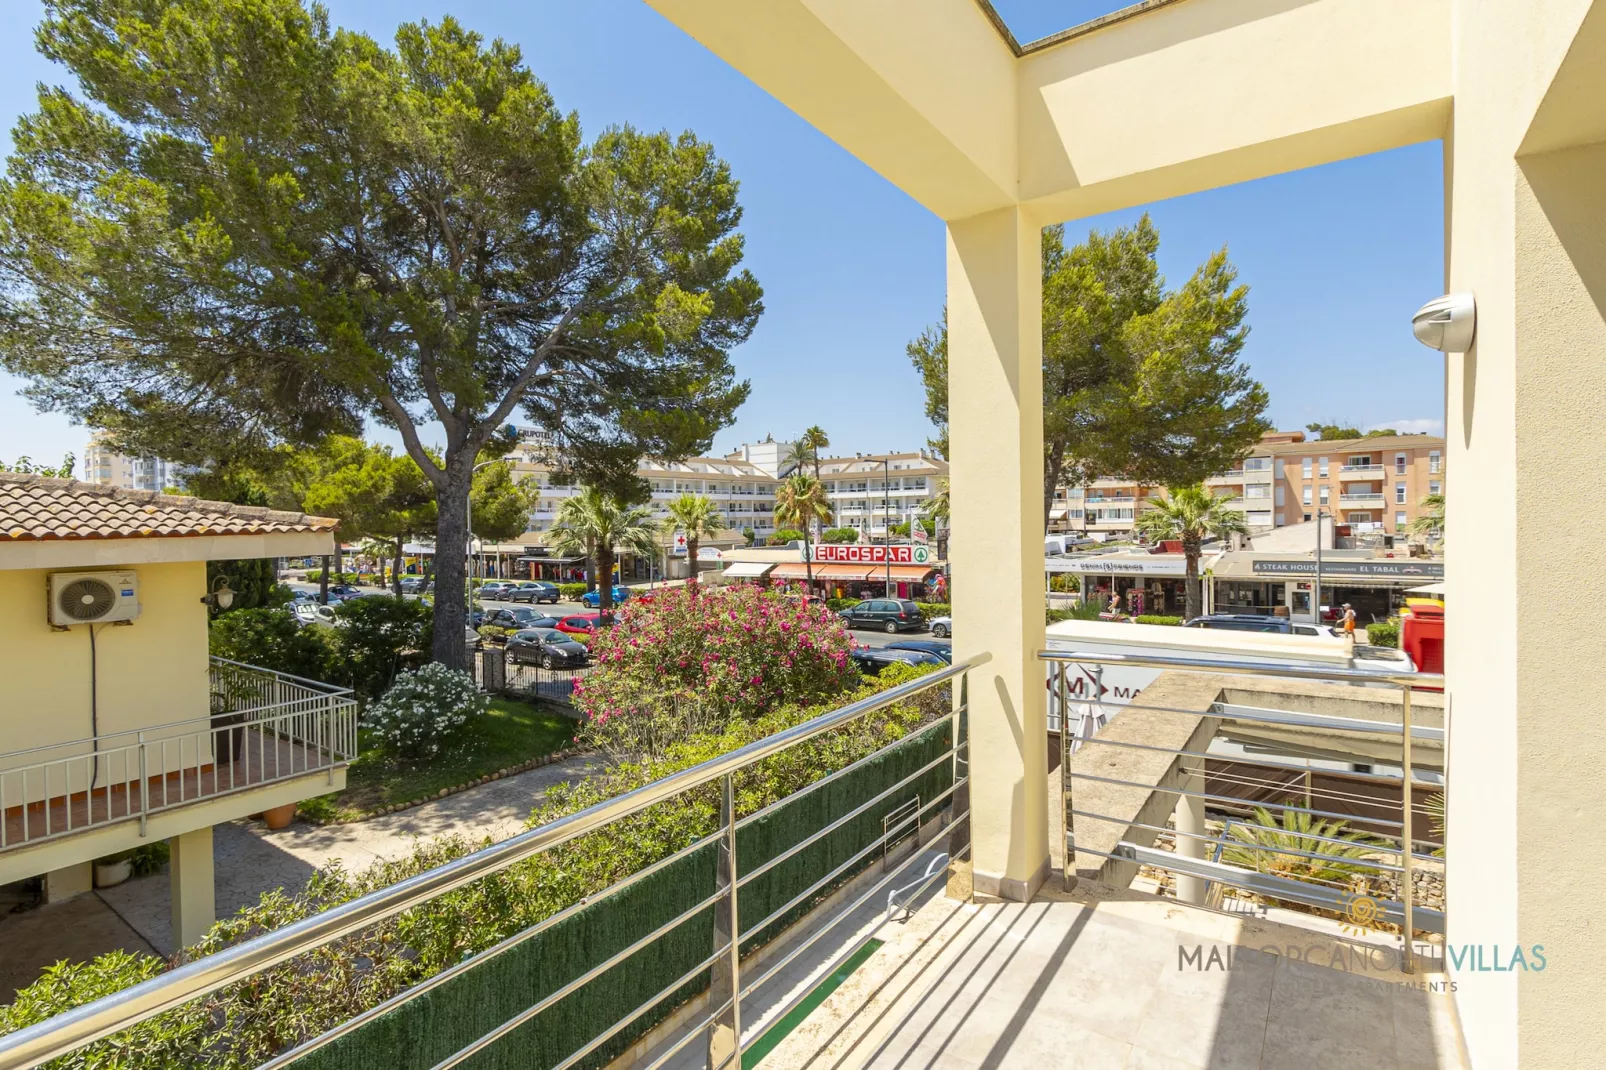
point(251, 860)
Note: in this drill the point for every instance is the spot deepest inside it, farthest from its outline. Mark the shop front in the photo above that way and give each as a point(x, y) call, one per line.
point(865, 571)
point(1147, 584)
point(1247, 582)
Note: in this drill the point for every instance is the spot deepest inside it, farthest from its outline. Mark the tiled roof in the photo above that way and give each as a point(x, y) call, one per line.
point(33, 508)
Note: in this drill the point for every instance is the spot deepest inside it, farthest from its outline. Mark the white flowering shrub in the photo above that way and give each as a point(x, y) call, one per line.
point(424, 709)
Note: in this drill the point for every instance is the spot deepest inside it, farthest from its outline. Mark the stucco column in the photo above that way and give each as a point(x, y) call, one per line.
point(69, 881)
point(995, 409)
point(1189, 821)
point(194, 903)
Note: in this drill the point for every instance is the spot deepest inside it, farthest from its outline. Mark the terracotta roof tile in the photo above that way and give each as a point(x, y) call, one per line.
point(34, 508)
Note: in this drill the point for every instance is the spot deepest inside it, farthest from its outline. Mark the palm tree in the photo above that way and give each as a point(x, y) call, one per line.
point(1285, 848)
point(798, 500)
point(1190, 514)
point(806, 451)
point(597, 525)
point(1432, 518)
point(696, 516)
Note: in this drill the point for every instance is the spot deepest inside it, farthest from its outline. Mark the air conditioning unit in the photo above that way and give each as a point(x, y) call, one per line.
point(93, 597)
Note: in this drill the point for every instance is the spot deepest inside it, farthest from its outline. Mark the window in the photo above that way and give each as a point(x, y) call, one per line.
point(1304, 498)
point(1399, 494)
point(1399, 464)
point(1325, 491)
point(1279, 504)
point(1258, 491)
point(1433, 462)
point(1280, 524)
point(1304, 466)
point(1435, 487)
point(1279, 468)
point(1399, 525)
point(1257, 464)
point(1321, 465)
point(1307, 518)
point(1362, 461)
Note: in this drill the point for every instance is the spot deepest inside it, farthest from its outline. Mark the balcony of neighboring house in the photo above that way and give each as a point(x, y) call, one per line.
point(1370, 471)
point(263, 729)
point(1361, 497)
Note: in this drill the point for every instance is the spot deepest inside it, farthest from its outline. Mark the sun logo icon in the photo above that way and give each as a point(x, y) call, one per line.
point(1363, 915)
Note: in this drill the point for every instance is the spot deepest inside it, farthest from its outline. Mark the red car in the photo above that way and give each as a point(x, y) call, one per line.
point(579, 623)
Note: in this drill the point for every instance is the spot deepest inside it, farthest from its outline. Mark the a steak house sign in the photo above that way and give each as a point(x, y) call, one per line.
point(1422, 569)
point(871, 554)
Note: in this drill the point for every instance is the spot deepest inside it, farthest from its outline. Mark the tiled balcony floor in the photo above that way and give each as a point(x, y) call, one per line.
point(1093, 979)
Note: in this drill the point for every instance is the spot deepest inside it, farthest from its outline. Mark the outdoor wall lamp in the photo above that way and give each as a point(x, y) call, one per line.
point(220, 594)
point(1447, 323)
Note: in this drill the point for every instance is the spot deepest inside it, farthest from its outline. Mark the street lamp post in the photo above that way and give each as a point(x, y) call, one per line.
point(886, 512)
point(1316, 604)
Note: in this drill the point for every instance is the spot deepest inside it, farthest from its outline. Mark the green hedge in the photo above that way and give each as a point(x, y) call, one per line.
point(842, 603)
point(1151, 618)
point(571, 591)
point(936, 609)
point(314, 575)
point(1384, 633)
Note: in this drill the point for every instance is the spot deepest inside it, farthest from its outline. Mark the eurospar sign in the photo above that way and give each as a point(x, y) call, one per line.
point(863, 554)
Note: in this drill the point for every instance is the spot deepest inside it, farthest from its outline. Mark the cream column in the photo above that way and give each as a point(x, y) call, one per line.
point(190, 882)
point(1189, 821)
point(995, 412)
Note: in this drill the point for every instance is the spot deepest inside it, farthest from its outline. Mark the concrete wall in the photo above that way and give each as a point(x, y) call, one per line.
point(150, 672)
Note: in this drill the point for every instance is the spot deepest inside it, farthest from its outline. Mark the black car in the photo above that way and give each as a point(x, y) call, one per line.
point(891, 615)
point(546, 647)
point(532, 591)
point(945, 651)
point(871, 660)
point(516, 619)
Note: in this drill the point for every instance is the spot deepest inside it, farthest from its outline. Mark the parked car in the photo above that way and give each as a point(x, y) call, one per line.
point(412, 585)
point(1255, 622)
point(533, 592)
point(945, 651)
point(871, 660)
point(579, 623)
point(493, 591)
point(547, 647)
point(513, 618)
point(471, 638)
point(343, 590)
point(312, 613)
point(942, 627)
point(891, 615)
point(594, 598)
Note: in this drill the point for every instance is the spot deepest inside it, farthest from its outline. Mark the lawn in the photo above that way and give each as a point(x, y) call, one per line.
point(512, 733)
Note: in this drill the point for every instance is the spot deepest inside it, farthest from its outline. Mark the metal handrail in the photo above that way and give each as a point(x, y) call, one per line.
point(83, 1025)
point(317, 685)
point(1414, 680)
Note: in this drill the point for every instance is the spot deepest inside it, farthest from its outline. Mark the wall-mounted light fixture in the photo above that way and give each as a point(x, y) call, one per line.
point(1447, 323)
point(220, 595)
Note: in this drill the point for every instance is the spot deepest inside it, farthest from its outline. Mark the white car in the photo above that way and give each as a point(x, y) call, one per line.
point(313, 613)
point(942, 627)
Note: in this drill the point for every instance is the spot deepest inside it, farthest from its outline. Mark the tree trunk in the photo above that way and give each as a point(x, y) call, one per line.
point(396, 567)
point(1194, 601)
point(604, 580)
point(808, 562)
point(451, 546)
point(1051, 478)
point(323, 581)
point(339, 565)
point(691, 557)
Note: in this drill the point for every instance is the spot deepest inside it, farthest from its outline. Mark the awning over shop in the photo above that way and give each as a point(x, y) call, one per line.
point(553, 560)
point(906, 573)
point(746, 570)
point(796, 570)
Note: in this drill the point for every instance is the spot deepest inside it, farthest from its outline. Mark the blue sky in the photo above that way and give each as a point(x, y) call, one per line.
point(1336, 258)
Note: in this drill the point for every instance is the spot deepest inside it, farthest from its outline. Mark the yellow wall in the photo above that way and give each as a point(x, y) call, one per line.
point(151, 672)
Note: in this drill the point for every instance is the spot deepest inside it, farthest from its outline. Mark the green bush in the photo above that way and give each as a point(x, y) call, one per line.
point(424, 709)
point(271, 639)
point(1064, 582)
point(936, 609)
point(491, 631)
point(784, 536)
point(570, 592)
point(144, 860)
point(1154, 618)
point(374, 634)
point(1384, 633)
point(839, 535)
point(840, 604)
point(316, 574)
point(251, 1022)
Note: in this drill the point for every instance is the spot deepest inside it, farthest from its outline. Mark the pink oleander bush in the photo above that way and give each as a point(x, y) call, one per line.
point(692, 660)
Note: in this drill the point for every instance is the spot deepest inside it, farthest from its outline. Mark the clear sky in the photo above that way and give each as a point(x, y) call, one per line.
point(1336, 258)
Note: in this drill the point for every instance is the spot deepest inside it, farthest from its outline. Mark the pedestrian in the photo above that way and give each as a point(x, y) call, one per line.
point(1349, 621)
point(1115, 605)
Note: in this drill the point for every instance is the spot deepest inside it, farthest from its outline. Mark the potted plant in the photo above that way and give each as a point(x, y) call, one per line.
point(279, 817)
point(113, 869)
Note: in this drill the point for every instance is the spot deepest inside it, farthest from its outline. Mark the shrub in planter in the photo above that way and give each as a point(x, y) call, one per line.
point(1384, 633)
point(691, 660)
point(935, 609)
point(269, 638)
point(1155, 618)
point(571, 591)
point(424, 709)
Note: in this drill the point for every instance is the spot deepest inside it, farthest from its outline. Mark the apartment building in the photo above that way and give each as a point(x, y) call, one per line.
point(106, 466)
point(867, 491)
point(1372, 484)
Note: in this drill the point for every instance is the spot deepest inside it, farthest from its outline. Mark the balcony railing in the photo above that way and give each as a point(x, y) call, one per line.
point(1360, 469)
point(1363, 496)
point(896, 812)
point(262, 727)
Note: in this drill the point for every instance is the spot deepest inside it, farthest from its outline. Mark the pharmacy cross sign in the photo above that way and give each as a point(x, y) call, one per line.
point(871, 554)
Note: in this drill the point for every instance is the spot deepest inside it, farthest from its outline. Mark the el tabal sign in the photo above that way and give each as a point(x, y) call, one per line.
point(1381, 569)
point(870, 554)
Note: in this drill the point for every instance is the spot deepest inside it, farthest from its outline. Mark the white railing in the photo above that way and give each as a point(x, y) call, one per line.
point(1351, 468)
point(1365, 496)
point(262, 726)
